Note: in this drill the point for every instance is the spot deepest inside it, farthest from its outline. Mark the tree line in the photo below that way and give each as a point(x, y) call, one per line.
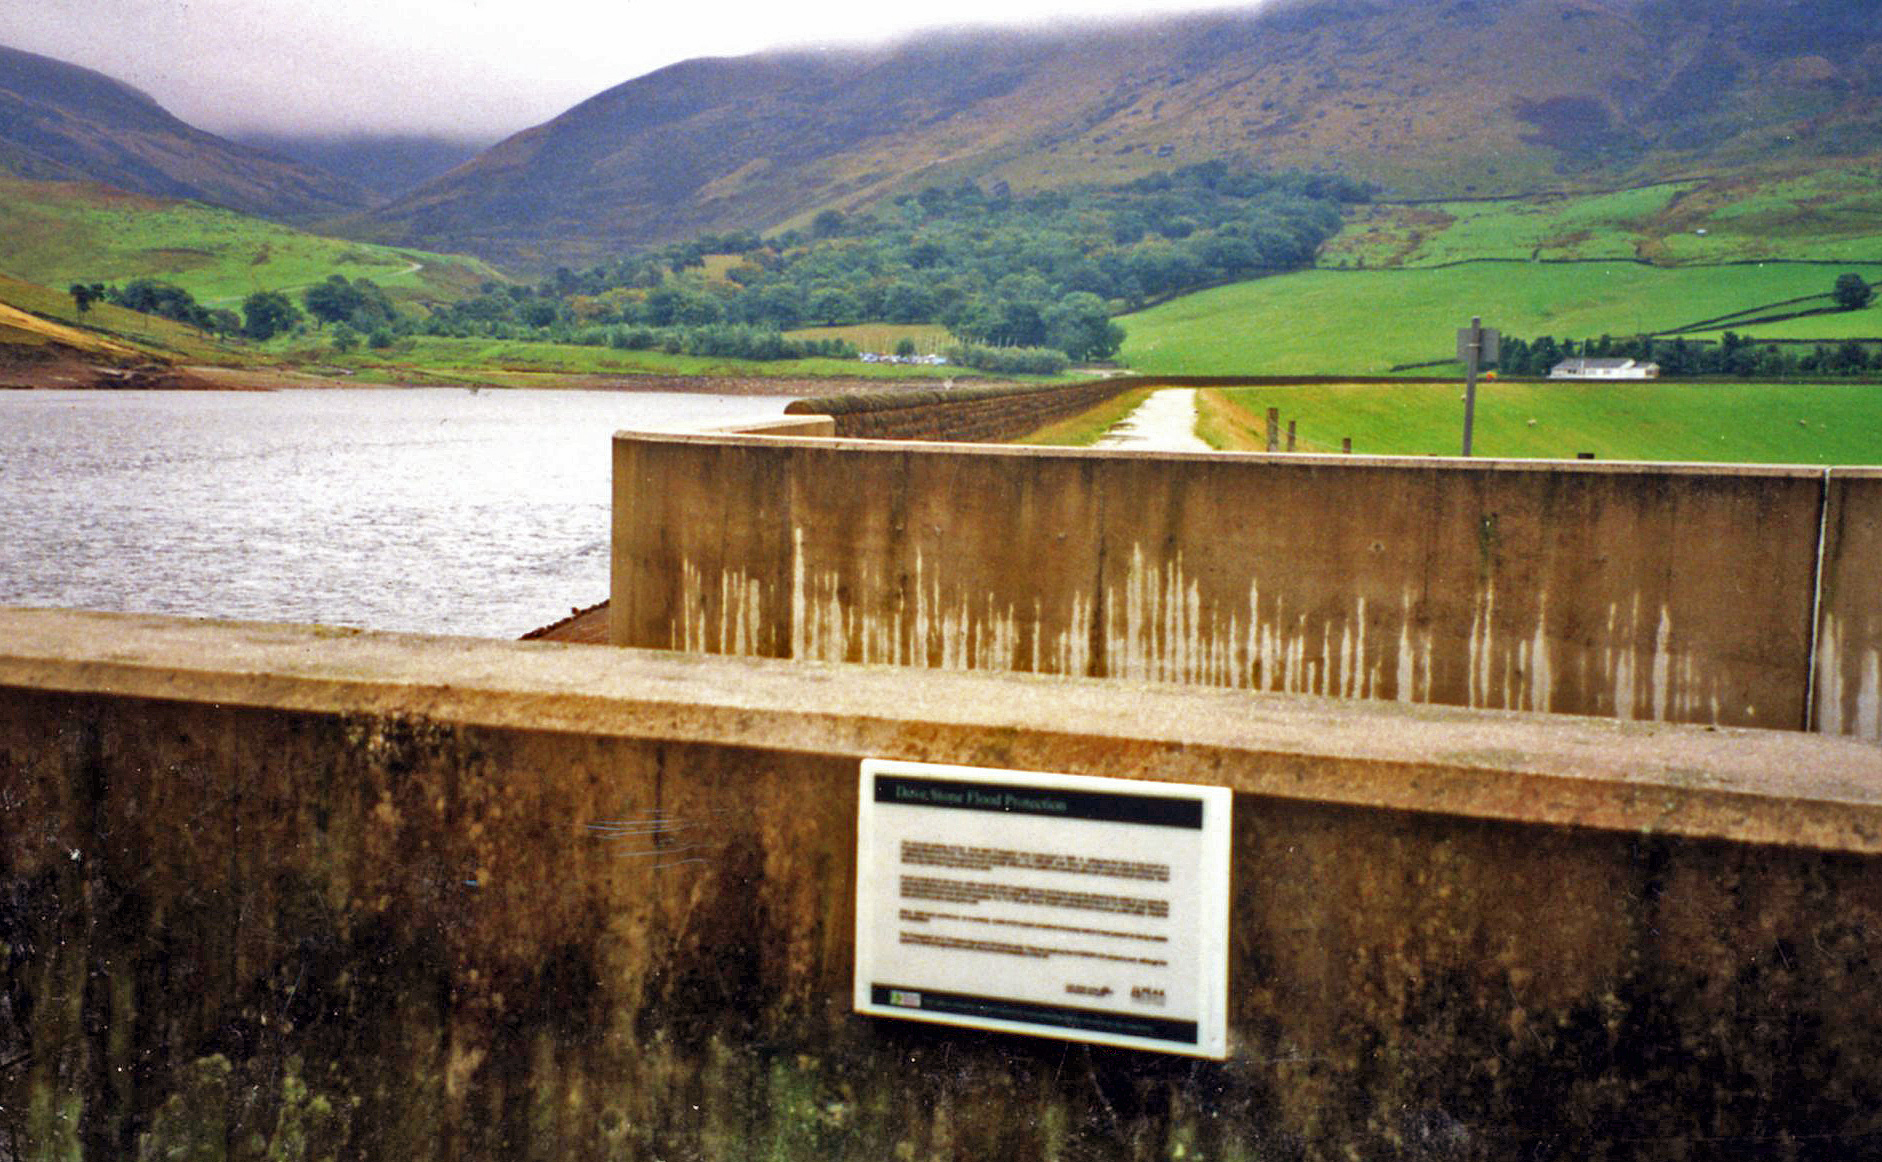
point(1046, 270)
point(1038, 276)
point(1734, 356)
point(264, 314)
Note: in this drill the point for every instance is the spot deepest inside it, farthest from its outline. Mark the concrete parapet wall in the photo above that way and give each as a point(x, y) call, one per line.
point(1848, 678)
point(282, 892)
point(966, 413)
point(1662, 592)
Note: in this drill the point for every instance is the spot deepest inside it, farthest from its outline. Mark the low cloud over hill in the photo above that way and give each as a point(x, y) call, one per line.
point(1461, 97)
point(62, 122)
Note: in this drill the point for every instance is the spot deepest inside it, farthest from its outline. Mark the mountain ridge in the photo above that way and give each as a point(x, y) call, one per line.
point(383, 165)
point(1450, 99)
point(1456, 98)
point(61, 122)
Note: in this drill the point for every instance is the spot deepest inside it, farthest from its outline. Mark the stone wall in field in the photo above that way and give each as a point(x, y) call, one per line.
point(278, 892)
point(1681, 593)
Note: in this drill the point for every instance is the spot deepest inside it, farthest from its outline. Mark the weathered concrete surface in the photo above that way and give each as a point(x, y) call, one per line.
point(279, 892)
point(1660, 592)
point(1849, 640)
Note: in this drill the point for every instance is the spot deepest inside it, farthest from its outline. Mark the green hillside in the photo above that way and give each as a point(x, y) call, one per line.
point(1452, 99)
point(58, 233)
point(60, 122)
point(1367, 321)
point(34, 317)
point(1740, 423)
point(1827, 214)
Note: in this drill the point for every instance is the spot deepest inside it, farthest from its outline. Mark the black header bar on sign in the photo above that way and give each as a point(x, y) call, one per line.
point(1054, 803)
point(917, 1001)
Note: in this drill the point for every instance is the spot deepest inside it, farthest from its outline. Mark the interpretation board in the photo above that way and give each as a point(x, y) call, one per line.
point(1064, 906)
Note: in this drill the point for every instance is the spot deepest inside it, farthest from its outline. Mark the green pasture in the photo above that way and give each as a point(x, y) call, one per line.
point(1831, 214)
point(1557, 228)
point(1331, 322)
point(1837, 325)
point(1736, 423)
point(1085, 429)
point(57, 234)
point(929, 338)
point(1823, 215)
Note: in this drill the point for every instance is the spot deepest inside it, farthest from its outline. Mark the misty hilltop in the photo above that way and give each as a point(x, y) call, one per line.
point(60, 122)
point(384, 165)
point(1454, 98)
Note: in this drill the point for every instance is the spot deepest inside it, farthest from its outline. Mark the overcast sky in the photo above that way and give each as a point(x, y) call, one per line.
point(475, 69)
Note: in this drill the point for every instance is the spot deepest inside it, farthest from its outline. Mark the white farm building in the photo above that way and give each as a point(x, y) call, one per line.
point(1604, 369)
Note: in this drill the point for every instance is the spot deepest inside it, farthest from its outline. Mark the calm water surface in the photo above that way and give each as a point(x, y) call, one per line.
point(431, 510)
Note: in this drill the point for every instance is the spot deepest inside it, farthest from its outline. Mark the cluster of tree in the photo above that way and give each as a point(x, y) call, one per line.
point(359, 311)
point(1851, 292)
point(359, 304)
point(264, 314)
point(150, 297)
point(1734, 356)
point(997, 269)
point(1039, 273)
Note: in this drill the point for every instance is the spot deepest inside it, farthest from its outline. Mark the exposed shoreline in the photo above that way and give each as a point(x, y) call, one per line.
point(69, 375)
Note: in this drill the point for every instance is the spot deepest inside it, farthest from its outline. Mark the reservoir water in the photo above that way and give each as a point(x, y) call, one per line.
point(430, 510)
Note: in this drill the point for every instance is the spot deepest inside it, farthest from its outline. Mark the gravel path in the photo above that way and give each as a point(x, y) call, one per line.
point(1165, 422)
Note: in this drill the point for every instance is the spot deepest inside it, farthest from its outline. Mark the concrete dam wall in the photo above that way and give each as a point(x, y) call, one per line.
point(1714, 594)
point(297, 893)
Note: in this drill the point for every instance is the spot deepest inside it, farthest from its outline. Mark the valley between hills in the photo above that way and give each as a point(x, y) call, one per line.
point(1312, 190)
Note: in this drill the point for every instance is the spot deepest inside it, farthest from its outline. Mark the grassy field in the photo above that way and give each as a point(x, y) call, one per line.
point(929, 338)
point(1596, 226)
point(1866, 324)
point(1082, 431)
point(1366, 321)
point(1821, 215)
point(1738, 423)
point(56, 234)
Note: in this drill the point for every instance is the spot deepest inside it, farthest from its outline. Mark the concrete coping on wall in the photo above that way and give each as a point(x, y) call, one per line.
point(786, 432)
point(1738, 785)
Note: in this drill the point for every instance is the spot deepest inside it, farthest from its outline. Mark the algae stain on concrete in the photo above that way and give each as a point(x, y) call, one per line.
point(1161, 621)
point(1849, 683)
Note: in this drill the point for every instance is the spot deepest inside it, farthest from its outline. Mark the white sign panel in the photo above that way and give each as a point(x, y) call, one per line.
point(1058, 905)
